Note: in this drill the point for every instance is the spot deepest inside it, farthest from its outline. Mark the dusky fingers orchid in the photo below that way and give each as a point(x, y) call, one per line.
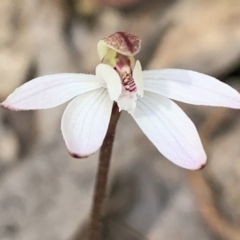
point(144, 94)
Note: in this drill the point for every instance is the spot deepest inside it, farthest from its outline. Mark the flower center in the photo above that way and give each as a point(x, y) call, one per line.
point(123, 78)
point(119, 70)
point(124, 69)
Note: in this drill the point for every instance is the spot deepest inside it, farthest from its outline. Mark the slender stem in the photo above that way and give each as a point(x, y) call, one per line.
point(99, 197)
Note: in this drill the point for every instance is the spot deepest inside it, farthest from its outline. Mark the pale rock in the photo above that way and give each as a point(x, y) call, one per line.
point(204, 36)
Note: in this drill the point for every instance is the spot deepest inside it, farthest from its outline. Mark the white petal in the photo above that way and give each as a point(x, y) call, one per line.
point(170, 130)
point(85, 122)
point(127, 102)
point(191, 87)
point(138, 78)
point(111, 78)
point(50, 91)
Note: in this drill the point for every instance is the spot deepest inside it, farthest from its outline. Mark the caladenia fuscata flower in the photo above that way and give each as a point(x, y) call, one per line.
point(143, 94)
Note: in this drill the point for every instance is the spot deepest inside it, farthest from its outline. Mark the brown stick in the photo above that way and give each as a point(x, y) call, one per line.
point(95, 227)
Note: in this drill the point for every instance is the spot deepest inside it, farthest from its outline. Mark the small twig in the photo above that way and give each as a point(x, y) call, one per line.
point(95, 227)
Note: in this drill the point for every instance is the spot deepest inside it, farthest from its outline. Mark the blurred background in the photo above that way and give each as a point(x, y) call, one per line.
point(46, 194)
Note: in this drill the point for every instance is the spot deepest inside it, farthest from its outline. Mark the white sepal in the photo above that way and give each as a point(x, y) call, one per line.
point(170, 130)
point(50, 91)
point(191, 87)
point(85, 122)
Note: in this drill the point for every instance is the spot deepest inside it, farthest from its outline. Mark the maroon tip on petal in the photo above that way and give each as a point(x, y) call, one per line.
point(202, 166)
point(75, 155)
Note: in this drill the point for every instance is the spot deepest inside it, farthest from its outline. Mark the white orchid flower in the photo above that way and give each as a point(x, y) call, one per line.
point(144, 94)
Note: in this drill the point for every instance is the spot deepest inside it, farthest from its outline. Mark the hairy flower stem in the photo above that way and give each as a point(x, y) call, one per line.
point(96, 220)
